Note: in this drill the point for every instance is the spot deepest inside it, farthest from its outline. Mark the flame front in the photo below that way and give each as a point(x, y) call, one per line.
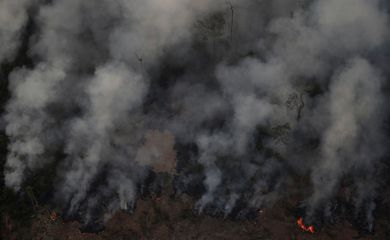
point(304, 227)
point(53, 216)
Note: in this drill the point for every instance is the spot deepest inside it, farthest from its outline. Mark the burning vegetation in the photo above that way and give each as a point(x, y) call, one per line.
point(168, 113)
point(304, 227)
point(53, 216)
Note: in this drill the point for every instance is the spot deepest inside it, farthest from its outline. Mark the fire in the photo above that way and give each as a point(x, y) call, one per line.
point(304, 227)
point(53, 216)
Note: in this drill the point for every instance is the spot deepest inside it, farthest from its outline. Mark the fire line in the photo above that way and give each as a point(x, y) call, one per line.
point(304, 227)
point(53, 216)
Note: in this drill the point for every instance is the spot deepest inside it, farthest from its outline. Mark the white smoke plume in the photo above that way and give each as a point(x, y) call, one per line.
point(13, 18)
point(263, 90)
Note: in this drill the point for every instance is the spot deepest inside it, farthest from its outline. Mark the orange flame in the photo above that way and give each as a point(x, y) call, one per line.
point(53, 216)
point(304, 227)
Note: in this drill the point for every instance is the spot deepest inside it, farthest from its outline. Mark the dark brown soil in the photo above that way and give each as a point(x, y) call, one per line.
point(167, 218)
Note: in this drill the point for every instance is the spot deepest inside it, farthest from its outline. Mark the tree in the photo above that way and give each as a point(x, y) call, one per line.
point(212, 26)
point(295, 102)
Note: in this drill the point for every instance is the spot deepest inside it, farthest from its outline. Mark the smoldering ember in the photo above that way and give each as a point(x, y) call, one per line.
point(195, 119)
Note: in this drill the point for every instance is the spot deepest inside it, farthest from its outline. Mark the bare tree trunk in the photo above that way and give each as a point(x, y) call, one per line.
point(300, 108)
point(214, 47)
point(140, 60)
point(232, 21)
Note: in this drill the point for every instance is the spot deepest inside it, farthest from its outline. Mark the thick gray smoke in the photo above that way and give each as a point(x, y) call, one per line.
point(265, 90)
point(13, 17)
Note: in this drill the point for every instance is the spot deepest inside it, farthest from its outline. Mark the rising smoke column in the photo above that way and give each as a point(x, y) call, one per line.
point(241, 93)
point(91, 70)
point(311, 47)
point(353, 142)
point(13, 18)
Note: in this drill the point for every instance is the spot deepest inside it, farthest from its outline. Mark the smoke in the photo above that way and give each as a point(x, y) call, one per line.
point(265, 91)
point(27, 120)
point(113, 94)
point(353, 142)
point(13, 17)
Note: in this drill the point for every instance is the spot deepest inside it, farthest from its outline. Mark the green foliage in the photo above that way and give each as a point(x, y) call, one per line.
point(295, 102)
point(313, 89)
point(17, 206)
point(196, 168)
point(280, 133)
point(160, 217)
point(212, 25)
point(187, 214)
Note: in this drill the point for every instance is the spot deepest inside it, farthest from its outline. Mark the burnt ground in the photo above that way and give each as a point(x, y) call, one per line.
point(169, 214)
point(173, 218)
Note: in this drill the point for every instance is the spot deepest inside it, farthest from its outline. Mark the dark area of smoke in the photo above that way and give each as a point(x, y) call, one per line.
point(256, 94)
